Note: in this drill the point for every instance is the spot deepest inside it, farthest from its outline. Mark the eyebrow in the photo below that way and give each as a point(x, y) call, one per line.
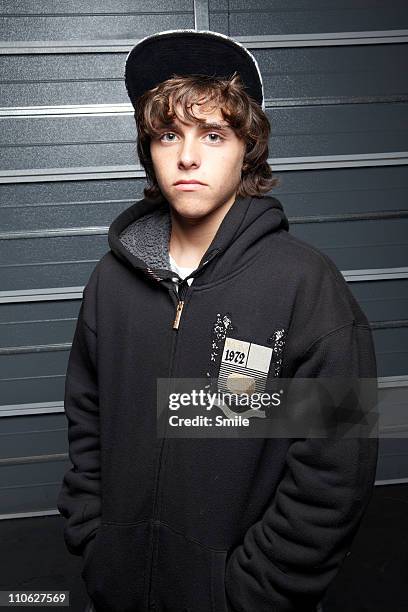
point(203, 125)
point(213, 126)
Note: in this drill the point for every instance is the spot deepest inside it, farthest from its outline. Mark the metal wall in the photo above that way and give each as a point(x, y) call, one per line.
point(336, 94)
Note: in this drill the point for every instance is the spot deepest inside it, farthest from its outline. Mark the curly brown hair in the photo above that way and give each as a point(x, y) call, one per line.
point(242, 113)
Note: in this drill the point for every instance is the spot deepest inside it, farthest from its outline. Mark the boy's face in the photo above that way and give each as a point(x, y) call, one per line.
point(190, 151)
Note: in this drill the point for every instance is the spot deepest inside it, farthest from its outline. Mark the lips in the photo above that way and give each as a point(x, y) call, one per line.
point(194, 186)
point(192, 182)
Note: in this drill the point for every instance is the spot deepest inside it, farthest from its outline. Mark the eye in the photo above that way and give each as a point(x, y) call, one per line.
point(219, 138)
point(167, 134)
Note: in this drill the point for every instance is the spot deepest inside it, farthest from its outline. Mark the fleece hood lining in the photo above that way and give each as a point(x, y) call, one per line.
point(144, 230)
point(148, 238)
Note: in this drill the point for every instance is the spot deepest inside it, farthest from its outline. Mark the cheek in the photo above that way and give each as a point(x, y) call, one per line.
point(160, 162)
point(230, 165)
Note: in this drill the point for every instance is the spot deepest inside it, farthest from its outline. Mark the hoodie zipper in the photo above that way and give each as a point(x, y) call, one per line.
point(180, 301)
point(178, 314)
point(183, 288)
point(150, 603)
point(180, 304)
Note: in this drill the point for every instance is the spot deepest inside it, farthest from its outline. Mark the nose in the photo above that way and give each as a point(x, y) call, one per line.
point(189, 155)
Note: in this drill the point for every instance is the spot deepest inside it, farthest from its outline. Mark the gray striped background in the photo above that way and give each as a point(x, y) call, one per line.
point(336, 89)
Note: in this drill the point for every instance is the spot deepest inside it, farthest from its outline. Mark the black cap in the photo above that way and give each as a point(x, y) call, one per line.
point(157, 57)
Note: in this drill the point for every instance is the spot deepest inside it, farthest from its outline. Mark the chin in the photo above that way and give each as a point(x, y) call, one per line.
point(190, 207)
point(191, 212)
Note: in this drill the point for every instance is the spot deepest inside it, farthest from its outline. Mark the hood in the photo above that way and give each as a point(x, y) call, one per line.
point(140, 236)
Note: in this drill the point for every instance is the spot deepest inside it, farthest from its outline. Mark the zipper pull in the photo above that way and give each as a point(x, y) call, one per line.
point(178, 314)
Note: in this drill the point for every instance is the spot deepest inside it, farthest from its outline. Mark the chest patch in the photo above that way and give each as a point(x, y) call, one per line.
point(244, 366)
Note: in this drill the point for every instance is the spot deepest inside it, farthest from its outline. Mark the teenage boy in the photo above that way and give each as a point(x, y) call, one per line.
point(200, 269)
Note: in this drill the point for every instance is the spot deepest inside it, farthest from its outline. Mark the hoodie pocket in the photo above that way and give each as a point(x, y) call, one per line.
point(219, 597)
point(188, 577)
point(114, 568)
point(244, 366)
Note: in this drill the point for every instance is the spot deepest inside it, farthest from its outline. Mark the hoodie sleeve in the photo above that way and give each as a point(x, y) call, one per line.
point(79, 498)
point(289, 557)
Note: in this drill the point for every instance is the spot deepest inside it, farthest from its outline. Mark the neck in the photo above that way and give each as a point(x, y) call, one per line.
point(190, 238)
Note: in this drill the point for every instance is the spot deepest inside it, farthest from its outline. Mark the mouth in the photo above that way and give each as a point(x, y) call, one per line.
point(192, 182)
point(189, 185)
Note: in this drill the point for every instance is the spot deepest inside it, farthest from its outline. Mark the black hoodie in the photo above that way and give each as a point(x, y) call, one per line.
point(201, 524)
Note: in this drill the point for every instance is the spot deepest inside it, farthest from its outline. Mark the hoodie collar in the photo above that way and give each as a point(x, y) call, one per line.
point(140, 235)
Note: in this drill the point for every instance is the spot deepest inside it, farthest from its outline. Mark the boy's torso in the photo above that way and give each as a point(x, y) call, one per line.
point(192, 499)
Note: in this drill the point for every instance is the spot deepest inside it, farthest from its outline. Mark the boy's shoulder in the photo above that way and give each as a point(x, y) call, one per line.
point(102, 267)
point(304, 257)
point(318, 280)
point(294, 254)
